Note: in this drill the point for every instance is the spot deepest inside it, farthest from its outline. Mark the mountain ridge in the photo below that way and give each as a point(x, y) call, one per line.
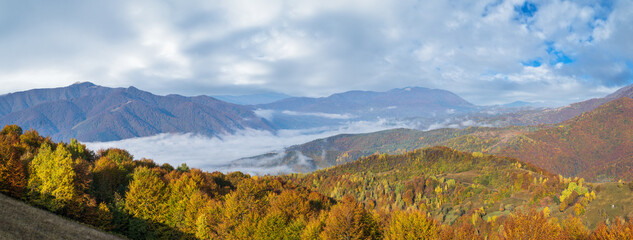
point(94, 113)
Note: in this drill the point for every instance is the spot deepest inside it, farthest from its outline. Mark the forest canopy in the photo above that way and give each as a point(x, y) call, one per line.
point(432, 193)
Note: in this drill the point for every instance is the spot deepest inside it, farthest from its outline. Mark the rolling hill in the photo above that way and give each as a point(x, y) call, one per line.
point(585, 146)
point(596, 145)
point(93, 113)
point(450, 185)
point(335, 150)
point(437, 191)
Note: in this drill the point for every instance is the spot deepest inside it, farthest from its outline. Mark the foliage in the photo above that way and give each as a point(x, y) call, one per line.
point(530, 225)
point(432, 193)
point(411, 225)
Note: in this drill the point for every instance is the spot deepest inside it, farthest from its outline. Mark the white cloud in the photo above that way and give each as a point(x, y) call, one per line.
point(317, 48)
point(319, 114)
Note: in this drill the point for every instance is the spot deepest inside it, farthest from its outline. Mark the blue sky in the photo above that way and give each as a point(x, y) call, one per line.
point(486, 51)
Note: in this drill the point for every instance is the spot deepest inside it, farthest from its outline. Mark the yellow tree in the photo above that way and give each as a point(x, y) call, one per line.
point(412, 225)
point(52, 177)
point(185, 201)
point(348, 220)
point(146, 196)
point(530, 225)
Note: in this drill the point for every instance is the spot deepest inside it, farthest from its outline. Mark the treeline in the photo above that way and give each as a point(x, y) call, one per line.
point(143, 200)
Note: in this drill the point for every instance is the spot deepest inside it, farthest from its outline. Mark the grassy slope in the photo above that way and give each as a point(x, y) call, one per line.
point(21, 221)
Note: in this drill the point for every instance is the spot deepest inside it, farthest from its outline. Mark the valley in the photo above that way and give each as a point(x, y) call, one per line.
point(316, 120)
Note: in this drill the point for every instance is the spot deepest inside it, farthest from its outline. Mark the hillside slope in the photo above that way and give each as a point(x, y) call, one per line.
point(584, 145)
point(21, 221)
point(596, 145)
point(343, 148)
point(93, 113)
point(449, 185)
point(550, 116)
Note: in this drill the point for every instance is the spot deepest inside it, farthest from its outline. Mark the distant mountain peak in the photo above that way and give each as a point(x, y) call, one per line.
point(83, 84)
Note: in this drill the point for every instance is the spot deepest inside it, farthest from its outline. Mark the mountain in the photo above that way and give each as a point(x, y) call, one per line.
point(522, 104)
point(343, 148)
point(556, 115)
point(253, 99)
point(413, 102)
point(89, 112)
point(595, 145)
point(586, 145)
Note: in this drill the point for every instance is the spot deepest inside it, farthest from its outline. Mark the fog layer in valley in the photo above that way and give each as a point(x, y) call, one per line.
point(215, 153)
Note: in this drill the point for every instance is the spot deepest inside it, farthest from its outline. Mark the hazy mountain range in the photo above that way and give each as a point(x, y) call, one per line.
point(595, 144)
point(253, 99)
point(423, 104)
point(94, 113)
point(89, 112)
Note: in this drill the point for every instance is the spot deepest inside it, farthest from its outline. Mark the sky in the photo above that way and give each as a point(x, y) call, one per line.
point(488, 52)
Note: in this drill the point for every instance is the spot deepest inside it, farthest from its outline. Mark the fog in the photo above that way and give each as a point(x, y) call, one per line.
point(215, 153)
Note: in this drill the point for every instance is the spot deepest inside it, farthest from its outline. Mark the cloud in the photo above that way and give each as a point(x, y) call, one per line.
point(481, 50)
point(214, 154)
point(319, 114)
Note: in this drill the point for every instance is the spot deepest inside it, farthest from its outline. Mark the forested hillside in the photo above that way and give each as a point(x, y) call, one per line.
point(434, 193)
point(595, 145)
point(585, 146)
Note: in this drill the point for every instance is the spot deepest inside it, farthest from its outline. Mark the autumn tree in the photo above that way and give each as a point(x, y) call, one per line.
point(530, 225)
point(411, 225)
point(617, 230)
point(185, 200)
point(146, 196)
point(109, 179)
point(349, 220)
point(79, 151)
point(13, 178)
point(52, 177)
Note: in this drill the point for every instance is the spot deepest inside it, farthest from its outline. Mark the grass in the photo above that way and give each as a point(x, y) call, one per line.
point(21, 221)
point(611, 201)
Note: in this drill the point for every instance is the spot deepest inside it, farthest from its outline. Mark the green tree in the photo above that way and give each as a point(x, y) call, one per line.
point(79, 150)
point(108, 179)
point(185, 200)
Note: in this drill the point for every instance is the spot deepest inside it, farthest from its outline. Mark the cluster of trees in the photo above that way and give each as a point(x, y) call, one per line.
point(438, 180)
point(407, 196)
